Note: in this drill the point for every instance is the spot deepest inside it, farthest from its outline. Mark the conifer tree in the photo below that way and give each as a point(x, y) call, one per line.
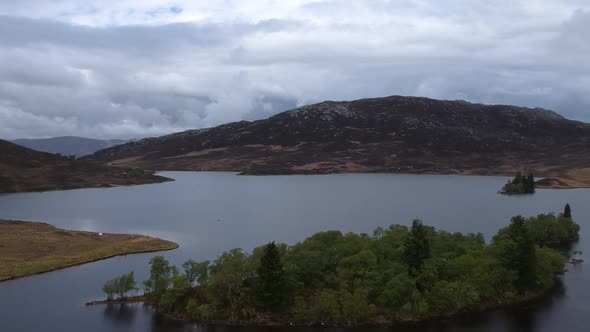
point(417, 247)
point(521, 258)
point(567, 211)
point(530, 183)
point(271, 279)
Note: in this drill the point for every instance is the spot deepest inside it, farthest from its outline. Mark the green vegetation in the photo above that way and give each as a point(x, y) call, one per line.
point(120, 286)
point(552, 230)
point(397, 274)
point(521, 184)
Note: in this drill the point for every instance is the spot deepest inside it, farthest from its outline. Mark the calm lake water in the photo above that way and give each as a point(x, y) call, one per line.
point(207, 213)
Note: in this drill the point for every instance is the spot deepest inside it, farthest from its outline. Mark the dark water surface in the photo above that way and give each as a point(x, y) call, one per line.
point(207, 213)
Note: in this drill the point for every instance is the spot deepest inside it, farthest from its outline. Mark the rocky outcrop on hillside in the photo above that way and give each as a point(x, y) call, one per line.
point(391, 134)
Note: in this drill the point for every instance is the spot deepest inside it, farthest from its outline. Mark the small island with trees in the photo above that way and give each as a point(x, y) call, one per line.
point(397, 274)
point(520, 184)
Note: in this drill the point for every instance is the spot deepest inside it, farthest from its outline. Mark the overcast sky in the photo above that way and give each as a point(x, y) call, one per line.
point(122, 69)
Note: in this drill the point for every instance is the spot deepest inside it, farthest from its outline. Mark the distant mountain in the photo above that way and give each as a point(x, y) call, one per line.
point(391, 134)
point(24, 169)
point(68, 145)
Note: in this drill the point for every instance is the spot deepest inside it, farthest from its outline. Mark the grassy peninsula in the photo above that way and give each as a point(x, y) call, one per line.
point(397, 274)
point(28, 248)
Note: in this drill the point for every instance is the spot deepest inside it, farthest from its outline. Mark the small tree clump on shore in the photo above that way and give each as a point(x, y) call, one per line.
point(120, 286)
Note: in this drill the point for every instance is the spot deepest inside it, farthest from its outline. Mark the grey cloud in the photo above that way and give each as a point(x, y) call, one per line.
point(143, 40)
point(59, 78)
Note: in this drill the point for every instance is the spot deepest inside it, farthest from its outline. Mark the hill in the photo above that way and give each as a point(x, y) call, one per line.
point(24, 169)
point(391, 134)
point(68, 145)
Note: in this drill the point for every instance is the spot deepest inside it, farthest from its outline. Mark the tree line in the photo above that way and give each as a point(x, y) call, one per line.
point(397, 273)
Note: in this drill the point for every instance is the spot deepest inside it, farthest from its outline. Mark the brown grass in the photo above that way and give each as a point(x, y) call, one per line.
point(580, 174)
point(28, 248)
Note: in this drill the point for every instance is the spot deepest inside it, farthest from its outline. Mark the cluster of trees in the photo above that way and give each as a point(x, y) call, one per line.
point(347, 279)
point(553, 230)
point(521, 184)
point(120, 287)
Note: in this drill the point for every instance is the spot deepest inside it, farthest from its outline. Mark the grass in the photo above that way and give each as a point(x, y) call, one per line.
point(28, 248)
point(580, 174)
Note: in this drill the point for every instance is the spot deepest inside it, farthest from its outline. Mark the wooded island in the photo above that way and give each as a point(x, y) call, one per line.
point(397, 274)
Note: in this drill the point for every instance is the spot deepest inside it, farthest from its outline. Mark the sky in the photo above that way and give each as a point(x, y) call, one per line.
point(130, 69)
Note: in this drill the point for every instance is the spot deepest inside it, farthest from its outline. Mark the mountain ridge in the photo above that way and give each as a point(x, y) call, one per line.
point(389, 134)
point(68, 145)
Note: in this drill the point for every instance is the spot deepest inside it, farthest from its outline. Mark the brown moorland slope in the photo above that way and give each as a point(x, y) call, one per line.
point(391, 134)
point(24, 169)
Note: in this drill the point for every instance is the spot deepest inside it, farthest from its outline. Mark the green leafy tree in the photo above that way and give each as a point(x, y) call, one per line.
point(120, 286)
point(202, 313)
point(355, 306)
point(179, 287)
point(271, 286)
point(109, 289)
point(160, 278)
point(196, 271)
point(230, 283)
point(397, 292)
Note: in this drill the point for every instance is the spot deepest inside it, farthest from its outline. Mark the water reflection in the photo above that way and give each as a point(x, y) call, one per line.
point(520, 318)
point(120, 314)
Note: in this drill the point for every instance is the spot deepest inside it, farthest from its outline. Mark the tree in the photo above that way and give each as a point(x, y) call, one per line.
point(120, 286)
point(109, 289)
point(356, 307)
point(228, 283)
point(126, 284)
point(529, 183)
point(179, 287)
point(519, 254)
point(567, 211)
point(196, 271)
point(520, 184)
point(270, 288)
point(417, 247)
point(160, 277)
point(517, 178)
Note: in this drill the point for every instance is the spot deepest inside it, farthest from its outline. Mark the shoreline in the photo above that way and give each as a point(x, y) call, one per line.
point(267, 321)
point(161, 179)
point(87, 262)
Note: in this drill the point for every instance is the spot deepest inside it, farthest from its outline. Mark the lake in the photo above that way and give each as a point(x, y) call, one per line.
point(208, 213)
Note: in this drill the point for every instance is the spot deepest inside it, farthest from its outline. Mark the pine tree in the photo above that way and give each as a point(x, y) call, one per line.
point(521, 258)
point(270, 290)
point(517, 178)
point(567, 211)
point(530, 183)
point(417, 247)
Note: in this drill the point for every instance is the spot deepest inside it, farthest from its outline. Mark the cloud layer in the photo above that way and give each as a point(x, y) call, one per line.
point(118, 69)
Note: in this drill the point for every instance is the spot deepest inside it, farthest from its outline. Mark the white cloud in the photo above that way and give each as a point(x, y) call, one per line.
point(134, 68)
